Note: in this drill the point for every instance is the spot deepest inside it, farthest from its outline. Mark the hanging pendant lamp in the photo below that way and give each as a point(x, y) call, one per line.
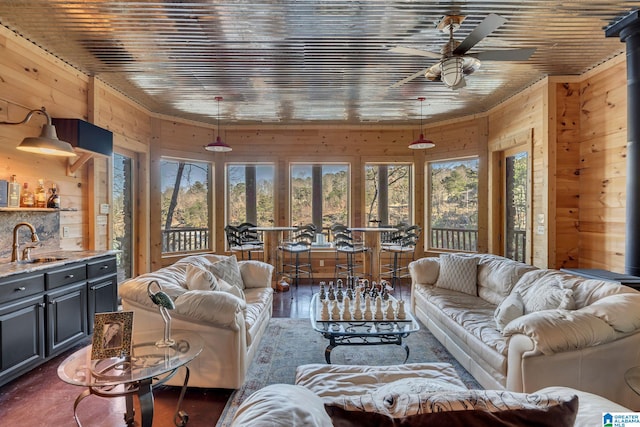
point(421, 143)
point(218, 145)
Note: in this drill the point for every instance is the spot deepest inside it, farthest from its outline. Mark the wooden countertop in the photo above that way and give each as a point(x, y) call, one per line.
point(8, 268)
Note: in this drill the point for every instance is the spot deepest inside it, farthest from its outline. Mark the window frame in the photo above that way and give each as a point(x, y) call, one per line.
point(245, 164)
point(412, 187)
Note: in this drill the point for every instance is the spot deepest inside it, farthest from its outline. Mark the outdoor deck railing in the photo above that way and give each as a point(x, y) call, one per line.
point(457, 239)
point(185, 239)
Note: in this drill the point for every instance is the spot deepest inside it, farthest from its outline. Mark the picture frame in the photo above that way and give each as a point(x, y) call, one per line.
point(112, 334)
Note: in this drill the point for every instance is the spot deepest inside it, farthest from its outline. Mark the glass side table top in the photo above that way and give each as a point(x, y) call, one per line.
point(146, 361)
point(632, 378)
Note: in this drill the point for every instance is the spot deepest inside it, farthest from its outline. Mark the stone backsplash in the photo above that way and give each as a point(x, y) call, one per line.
point(47, 226)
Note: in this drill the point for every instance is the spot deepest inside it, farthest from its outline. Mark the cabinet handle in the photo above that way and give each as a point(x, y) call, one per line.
point(52, 302)
point(20, 289)
point(93, 288)
point(41, 305)
point(70, 276)
point(104, 267)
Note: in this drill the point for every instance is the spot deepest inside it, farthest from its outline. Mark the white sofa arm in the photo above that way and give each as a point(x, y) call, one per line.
point(256, 274)
point(555, 331)
point(424, 271)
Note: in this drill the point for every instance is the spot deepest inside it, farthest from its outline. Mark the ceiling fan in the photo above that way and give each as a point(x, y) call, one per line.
point(453, 60)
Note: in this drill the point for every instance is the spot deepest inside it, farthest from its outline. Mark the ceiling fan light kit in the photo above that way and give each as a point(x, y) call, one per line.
point(219, 146)
point(452, 71)
point(421, 143)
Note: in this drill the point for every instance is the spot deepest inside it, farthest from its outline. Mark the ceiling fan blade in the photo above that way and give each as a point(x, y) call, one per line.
point(486, 27)
point(505, 55)
point(417, 52)
point(411, 77)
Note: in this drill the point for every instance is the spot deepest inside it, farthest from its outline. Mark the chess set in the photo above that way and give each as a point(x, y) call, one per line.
point(358, 301)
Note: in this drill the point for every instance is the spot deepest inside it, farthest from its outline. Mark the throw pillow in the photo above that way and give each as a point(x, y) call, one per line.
point(228, 270)
point(233, 290)
point(510, 308)
point(199, 279)
point(457, 408)
point(458, 273)
point(548, 296)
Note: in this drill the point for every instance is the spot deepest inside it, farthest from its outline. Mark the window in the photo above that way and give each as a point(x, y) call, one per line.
point(388, 190)
point(453, 209)
point(185, 205)
point(319, 194)
point(123, 214)
point(250, 194)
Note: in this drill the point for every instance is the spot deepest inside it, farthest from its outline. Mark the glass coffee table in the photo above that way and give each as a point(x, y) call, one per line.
point(359, 331)
point(147, 366)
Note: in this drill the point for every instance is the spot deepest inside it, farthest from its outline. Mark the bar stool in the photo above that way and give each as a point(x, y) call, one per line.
point(300, 244)
point(345, 244)
point(236, 243)
point(402, 251)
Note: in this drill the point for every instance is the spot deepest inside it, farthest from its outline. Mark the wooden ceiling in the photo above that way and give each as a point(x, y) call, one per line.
point(304, 61)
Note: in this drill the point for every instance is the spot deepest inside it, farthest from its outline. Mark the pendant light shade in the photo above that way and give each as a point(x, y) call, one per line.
point(421, 143)
point(218, 145)
point(47, 142)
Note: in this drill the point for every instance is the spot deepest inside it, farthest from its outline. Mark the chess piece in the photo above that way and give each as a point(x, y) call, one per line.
point(332, 293)
point(390, 312)
point(358, 299)
point(335, 311)
point(368, 314)
point(346, 309)
point(357, 313)
point(323, 293)
point(339, 293)
point(401, 313)
point(378, 315)
point(324, 314)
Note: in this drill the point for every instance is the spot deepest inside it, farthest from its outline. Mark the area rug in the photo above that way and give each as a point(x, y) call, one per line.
point(288, 343)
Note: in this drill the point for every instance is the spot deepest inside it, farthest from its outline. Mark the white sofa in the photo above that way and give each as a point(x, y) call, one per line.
point(231, 322)
point(586, 342)
point(400, 391)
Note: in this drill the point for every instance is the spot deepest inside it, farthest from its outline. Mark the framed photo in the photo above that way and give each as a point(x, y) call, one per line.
point(112, 334)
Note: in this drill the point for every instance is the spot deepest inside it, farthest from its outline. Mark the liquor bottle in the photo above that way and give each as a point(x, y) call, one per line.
point(14, 193)
point(54, 198)
point(27, 200)
point(41, 195)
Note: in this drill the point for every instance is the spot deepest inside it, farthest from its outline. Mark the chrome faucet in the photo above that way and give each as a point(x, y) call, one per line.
point(34, 238)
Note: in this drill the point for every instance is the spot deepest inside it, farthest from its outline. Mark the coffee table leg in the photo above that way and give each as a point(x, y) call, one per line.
point(181, 418)
point(145, 395)
point(406, 349)
point(79, 399)
point(129, 416)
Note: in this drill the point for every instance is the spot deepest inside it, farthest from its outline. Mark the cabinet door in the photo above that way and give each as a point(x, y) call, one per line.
point(66, 317)
point(21, 337)
point(102, 297)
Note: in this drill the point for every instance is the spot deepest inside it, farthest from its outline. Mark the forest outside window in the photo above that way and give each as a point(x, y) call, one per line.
point(250, 194)
point(185, 194)
point(453, 205)
point(388, 194)
point(319, 194)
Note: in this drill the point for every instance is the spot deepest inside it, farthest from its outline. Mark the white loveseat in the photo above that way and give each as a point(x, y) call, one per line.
point(585, 337)
point(231, 319)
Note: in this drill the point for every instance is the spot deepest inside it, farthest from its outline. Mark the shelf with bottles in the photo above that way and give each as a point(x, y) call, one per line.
point(23, 209)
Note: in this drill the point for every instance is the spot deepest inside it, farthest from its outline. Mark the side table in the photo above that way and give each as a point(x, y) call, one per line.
point(147, 366)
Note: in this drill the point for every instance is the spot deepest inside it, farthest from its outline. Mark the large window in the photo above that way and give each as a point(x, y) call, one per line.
point(388, 190)
point(185, 199)
point(123, 214)
point(453, 213)
point(250, 194)
point(319, 194)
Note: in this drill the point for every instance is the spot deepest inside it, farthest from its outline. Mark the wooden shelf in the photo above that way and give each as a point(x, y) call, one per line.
point(37, 210)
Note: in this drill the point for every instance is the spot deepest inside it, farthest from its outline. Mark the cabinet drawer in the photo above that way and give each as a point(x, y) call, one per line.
point(101, 267)
point(66, 275)
point(21, 286)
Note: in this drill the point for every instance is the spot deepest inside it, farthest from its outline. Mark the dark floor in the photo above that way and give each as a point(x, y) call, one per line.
point(41, 399)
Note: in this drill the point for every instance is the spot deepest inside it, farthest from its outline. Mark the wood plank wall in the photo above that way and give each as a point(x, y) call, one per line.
point(571, 125)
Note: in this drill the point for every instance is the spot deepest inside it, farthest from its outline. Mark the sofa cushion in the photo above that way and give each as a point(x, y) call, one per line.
point(555, 331)
point(498, 275)
point(545, 290)
point(621, 311)
point(233, 290)
point(215, 307)
point(198, 278)
point(458, 273)
point(228, 270)
point(456, 408)
point(282, 405)
point(510, 308)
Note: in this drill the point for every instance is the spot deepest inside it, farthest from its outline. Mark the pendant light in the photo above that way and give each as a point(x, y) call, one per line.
point(421, 143)
point(47, 142)
point(218, 146)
